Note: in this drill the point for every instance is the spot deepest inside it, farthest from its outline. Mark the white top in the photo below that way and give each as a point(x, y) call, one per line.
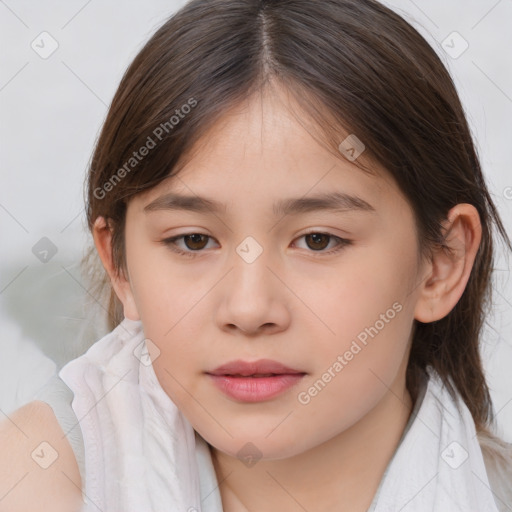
point(142, 453)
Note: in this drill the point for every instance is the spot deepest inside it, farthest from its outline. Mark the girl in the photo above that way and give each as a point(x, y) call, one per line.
point(293, 220)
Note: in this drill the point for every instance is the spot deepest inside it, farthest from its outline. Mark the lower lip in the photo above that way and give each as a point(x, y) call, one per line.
point(255, 389)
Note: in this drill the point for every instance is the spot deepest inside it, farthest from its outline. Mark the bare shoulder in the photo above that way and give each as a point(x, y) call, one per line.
point(38, 469)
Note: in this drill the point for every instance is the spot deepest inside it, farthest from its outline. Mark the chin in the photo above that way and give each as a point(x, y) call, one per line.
point(252, 445)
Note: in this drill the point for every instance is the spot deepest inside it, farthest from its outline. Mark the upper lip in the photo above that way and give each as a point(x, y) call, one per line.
point(246, 368)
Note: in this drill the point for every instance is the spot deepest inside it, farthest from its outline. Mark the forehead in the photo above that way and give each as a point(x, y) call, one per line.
point(258, 151)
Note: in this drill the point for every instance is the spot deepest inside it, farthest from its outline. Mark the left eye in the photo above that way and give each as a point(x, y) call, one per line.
point(319, 241)
point(196, 242)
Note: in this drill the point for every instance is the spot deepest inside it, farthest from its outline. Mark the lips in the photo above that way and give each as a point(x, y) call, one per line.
point(260, 368)
point(257, 381)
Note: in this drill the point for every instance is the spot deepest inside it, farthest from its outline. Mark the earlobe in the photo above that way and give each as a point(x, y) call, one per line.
point(450, 265)
point(102, 234)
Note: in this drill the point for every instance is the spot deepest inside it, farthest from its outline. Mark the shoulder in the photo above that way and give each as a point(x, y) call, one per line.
point(497, 456)
point(38, 469)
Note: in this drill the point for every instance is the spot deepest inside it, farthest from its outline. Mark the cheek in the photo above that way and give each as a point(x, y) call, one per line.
point(175, 370)
point(181, 360)
point(361, 292)
point(368, 309)
point(164, 294)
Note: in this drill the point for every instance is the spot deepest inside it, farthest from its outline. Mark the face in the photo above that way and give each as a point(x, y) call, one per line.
point(326, 293)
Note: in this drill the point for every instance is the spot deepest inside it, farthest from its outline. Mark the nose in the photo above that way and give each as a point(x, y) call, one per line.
point(253, 299)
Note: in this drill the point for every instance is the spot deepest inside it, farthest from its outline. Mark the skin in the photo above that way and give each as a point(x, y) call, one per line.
point(25, 484)
point(296, 303)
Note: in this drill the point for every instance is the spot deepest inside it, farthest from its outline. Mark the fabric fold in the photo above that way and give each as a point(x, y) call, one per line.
point(139, 448)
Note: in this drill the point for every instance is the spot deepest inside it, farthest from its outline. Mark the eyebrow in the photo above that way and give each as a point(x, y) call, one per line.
point(329, 201)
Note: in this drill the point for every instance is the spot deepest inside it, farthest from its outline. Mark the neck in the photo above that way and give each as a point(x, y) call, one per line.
point(342, 474)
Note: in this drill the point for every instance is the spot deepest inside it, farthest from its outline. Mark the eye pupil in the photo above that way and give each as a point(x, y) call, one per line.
point(317, 239)
point(196, 239)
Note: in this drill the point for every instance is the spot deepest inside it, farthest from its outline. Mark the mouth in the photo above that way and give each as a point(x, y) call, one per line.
point(256, 381)
point(255, 376)
point(259, 368)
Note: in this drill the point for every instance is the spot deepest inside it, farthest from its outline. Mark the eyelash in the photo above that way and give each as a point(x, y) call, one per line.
point(171, 244)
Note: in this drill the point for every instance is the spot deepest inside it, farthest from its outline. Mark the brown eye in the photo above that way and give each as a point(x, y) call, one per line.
point(196, 241)
point(189, 245)
point(323, 244)
point(317, 241)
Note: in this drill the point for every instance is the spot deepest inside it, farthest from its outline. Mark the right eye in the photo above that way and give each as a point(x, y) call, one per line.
point(194, 242)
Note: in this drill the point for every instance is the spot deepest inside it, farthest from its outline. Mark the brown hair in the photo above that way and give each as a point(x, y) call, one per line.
point(354, 66)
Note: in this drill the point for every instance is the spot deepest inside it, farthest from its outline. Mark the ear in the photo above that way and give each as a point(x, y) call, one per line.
point(102, 234)
point(450, 267)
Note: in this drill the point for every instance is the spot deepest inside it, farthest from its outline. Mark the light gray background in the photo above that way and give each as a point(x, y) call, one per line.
point(52, 110)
